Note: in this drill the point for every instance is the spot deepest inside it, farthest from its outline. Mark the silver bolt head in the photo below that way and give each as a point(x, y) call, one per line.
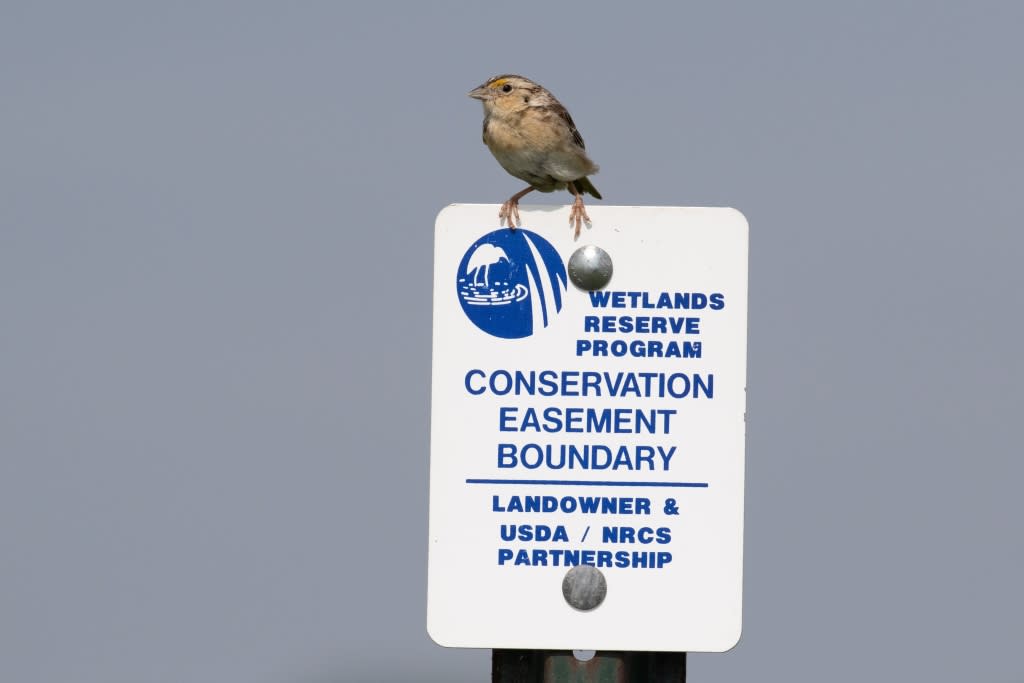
point(584, 587)
point(590, 268)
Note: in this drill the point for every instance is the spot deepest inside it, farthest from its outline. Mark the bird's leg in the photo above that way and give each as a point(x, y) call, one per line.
point(577, 214)
point(510, 210)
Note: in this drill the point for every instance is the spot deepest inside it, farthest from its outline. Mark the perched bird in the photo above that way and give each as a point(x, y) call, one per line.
point(533, 137)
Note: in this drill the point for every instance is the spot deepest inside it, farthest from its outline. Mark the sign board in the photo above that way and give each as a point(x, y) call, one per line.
point(600, 428)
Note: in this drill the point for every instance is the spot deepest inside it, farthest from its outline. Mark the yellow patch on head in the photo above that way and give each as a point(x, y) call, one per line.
point(498, 83)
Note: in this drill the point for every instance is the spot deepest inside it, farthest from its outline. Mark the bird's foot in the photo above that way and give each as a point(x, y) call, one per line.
point(578, 216)
point(509, 212)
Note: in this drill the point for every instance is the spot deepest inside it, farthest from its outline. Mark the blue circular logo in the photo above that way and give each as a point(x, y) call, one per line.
point(511, 282)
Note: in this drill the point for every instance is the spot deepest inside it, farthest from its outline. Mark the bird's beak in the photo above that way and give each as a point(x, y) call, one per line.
point(480, 93)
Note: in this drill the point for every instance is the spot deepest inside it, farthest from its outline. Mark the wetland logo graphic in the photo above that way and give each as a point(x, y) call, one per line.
point(511, 282)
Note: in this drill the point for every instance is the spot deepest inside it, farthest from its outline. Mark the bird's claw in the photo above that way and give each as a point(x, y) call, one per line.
point(578, 216)
point(509, 212)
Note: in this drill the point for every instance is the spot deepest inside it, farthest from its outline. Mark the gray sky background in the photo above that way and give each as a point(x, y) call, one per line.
point(215, 286)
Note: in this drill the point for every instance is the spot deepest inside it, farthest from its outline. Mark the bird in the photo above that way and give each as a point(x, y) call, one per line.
point(533, 137)
point(481, 261)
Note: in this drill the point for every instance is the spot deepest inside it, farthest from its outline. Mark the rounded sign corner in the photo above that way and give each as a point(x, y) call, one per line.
point(740, 216)
point(440, 639)
point(733, 639)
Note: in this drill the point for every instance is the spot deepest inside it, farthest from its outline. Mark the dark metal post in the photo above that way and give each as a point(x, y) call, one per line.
point(558, 666)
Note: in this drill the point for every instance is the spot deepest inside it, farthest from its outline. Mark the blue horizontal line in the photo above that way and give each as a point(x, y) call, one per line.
point(577, 482)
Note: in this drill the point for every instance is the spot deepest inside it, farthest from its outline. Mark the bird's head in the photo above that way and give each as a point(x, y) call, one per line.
point(510, 93)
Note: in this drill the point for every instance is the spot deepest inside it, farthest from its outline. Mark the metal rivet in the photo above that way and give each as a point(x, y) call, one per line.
point(584, 587)
point(590, 267)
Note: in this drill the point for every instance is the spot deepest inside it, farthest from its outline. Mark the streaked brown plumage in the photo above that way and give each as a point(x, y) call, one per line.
point(533, 137)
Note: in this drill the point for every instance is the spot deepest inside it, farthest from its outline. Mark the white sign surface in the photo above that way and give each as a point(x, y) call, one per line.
point(601, 428)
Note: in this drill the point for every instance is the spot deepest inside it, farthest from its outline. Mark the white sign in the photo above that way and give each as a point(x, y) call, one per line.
point(597, 428)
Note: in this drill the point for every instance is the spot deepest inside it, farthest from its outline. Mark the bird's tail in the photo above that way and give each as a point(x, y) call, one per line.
point(584, 185)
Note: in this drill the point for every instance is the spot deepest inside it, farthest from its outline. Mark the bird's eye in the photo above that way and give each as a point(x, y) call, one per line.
point(506, 88)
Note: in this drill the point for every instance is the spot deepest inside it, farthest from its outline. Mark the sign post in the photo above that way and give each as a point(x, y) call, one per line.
point(587, 433)
point(540, 666)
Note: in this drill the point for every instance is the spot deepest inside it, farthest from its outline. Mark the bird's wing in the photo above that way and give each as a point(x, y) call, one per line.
point(576, 137)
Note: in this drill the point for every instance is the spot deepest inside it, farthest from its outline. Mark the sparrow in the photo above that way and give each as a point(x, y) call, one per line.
point(533, 137)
